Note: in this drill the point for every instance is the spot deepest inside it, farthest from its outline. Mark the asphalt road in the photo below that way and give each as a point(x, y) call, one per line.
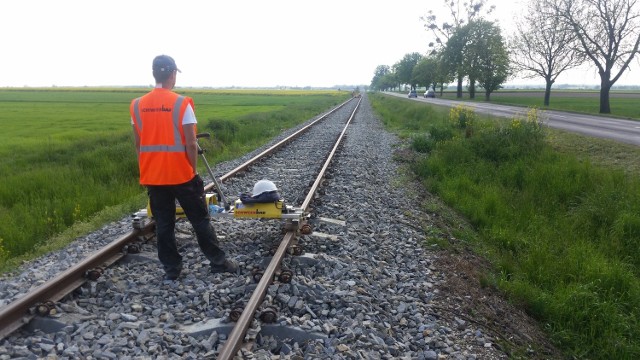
point(626, 131)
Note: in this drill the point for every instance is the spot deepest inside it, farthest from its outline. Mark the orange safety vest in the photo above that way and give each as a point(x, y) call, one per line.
point(157, 118)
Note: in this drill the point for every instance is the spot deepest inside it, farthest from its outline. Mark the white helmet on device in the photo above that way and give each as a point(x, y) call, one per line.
point(263, 186)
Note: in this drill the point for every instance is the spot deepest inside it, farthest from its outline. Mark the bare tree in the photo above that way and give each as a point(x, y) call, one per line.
point(543, 45)
point(461, 14)
point(609, 34)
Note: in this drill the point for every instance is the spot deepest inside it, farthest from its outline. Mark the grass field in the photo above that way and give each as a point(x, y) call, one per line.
point(623, 103)
point(558, 215)
point(67, 155)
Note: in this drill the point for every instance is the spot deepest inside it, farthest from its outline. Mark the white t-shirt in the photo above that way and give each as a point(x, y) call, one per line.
point(189, 116)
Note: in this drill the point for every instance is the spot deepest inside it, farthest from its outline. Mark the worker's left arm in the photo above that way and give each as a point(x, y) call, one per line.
point(190, 142)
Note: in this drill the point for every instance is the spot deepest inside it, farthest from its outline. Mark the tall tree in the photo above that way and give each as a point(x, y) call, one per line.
point(487, 56)
point(453, 56)
point(442, 75)
point(389, 81)
point(425, 71)
point(404, 68)
point(460, 13)
point(609, 34)
point(543, 45)
point(378, 76)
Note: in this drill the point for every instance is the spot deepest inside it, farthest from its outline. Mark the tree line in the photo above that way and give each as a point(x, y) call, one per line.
point(551, 37)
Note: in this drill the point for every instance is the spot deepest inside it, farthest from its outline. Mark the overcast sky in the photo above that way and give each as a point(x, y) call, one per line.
point(221, 43)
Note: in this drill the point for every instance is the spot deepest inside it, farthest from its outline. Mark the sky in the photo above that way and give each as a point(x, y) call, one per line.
point(249, 43)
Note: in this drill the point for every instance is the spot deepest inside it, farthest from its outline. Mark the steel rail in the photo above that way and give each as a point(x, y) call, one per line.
point(235, 340)
point(17, 313)
point(316, 183)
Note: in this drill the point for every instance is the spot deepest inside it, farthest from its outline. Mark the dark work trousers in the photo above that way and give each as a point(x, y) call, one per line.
point(163, 208)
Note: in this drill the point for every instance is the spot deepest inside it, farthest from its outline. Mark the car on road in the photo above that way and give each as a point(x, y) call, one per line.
point(413, 94)
point(430, 93)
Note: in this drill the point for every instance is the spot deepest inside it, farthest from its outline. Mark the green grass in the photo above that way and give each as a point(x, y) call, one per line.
point(558, 219)
point(67, 157)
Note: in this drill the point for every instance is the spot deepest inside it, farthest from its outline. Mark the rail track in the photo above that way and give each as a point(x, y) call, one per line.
point(41, 300)
point(360, 286)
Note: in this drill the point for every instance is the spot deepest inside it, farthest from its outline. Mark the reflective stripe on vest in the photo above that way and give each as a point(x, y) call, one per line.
point(175, 115)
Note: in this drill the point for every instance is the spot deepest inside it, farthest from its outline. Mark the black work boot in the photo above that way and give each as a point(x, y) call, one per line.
point(172, 273)
point(228, 266)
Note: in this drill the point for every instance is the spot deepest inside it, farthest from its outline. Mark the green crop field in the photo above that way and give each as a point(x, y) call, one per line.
point(67, 157)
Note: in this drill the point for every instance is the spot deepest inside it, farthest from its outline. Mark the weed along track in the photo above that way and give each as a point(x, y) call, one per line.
point(348, 279)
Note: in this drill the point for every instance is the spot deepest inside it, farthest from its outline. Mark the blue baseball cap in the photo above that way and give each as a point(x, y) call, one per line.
point(164, 63)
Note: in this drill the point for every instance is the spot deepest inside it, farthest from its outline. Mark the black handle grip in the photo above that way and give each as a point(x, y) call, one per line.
point(203, 135)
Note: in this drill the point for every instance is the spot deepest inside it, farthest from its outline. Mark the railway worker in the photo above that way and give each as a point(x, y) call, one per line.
point(164, 127)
